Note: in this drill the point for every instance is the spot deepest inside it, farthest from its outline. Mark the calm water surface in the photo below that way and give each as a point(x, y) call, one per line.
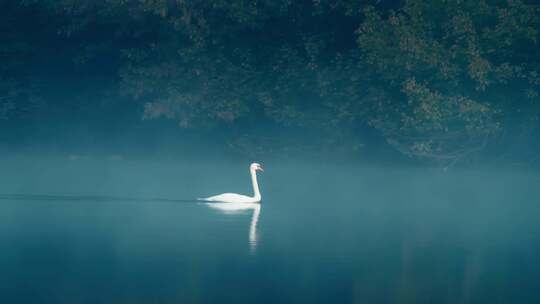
point(103, 232)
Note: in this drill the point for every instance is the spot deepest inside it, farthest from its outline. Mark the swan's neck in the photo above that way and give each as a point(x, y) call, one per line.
point(256, 192)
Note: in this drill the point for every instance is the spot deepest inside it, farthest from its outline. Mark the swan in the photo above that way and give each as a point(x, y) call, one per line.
point(234, 198)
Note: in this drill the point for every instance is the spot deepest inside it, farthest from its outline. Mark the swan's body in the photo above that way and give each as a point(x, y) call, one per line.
point(239, 198)
point(233, 198)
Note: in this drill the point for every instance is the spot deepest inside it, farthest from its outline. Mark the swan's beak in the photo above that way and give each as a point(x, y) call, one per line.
point(261, 168)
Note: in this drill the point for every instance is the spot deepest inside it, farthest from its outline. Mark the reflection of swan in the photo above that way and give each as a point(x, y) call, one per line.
point(232, 208)
point(253, 227)
point(238, 198)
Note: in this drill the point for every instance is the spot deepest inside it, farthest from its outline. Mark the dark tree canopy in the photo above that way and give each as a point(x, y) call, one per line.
point(438, 80)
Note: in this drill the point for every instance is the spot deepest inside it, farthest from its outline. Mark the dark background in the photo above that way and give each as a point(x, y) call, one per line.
point(439, 83)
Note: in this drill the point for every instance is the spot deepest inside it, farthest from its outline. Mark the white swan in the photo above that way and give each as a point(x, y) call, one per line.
point(234, 198)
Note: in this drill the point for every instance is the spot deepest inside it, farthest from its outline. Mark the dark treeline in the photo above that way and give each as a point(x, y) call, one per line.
point(441, 81)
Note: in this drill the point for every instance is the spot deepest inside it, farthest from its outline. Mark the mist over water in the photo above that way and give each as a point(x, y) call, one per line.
point(100, 208)
point(399, 141)
point(110, 230)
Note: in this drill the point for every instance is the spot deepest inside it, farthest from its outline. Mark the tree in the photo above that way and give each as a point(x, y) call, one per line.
point(14, 93)
point(454, 72)
point(438, 80)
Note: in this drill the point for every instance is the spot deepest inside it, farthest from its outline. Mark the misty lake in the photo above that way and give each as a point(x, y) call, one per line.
point(82, 230)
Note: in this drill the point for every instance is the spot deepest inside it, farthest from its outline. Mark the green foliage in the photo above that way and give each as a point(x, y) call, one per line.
point(454, 66)
point(437, 79)
point(17, 94)
point(222, 62)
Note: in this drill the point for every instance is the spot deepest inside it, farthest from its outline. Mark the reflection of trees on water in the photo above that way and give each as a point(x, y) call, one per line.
point(430, 270)
point(426, 265)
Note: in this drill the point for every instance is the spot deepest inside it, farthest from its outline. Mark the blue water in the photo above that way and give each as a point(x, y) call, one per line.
point(102, 231)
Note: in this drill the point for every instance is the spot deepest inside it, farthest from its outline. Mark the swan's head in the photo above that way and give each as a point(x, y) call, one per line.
point(256, 167)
